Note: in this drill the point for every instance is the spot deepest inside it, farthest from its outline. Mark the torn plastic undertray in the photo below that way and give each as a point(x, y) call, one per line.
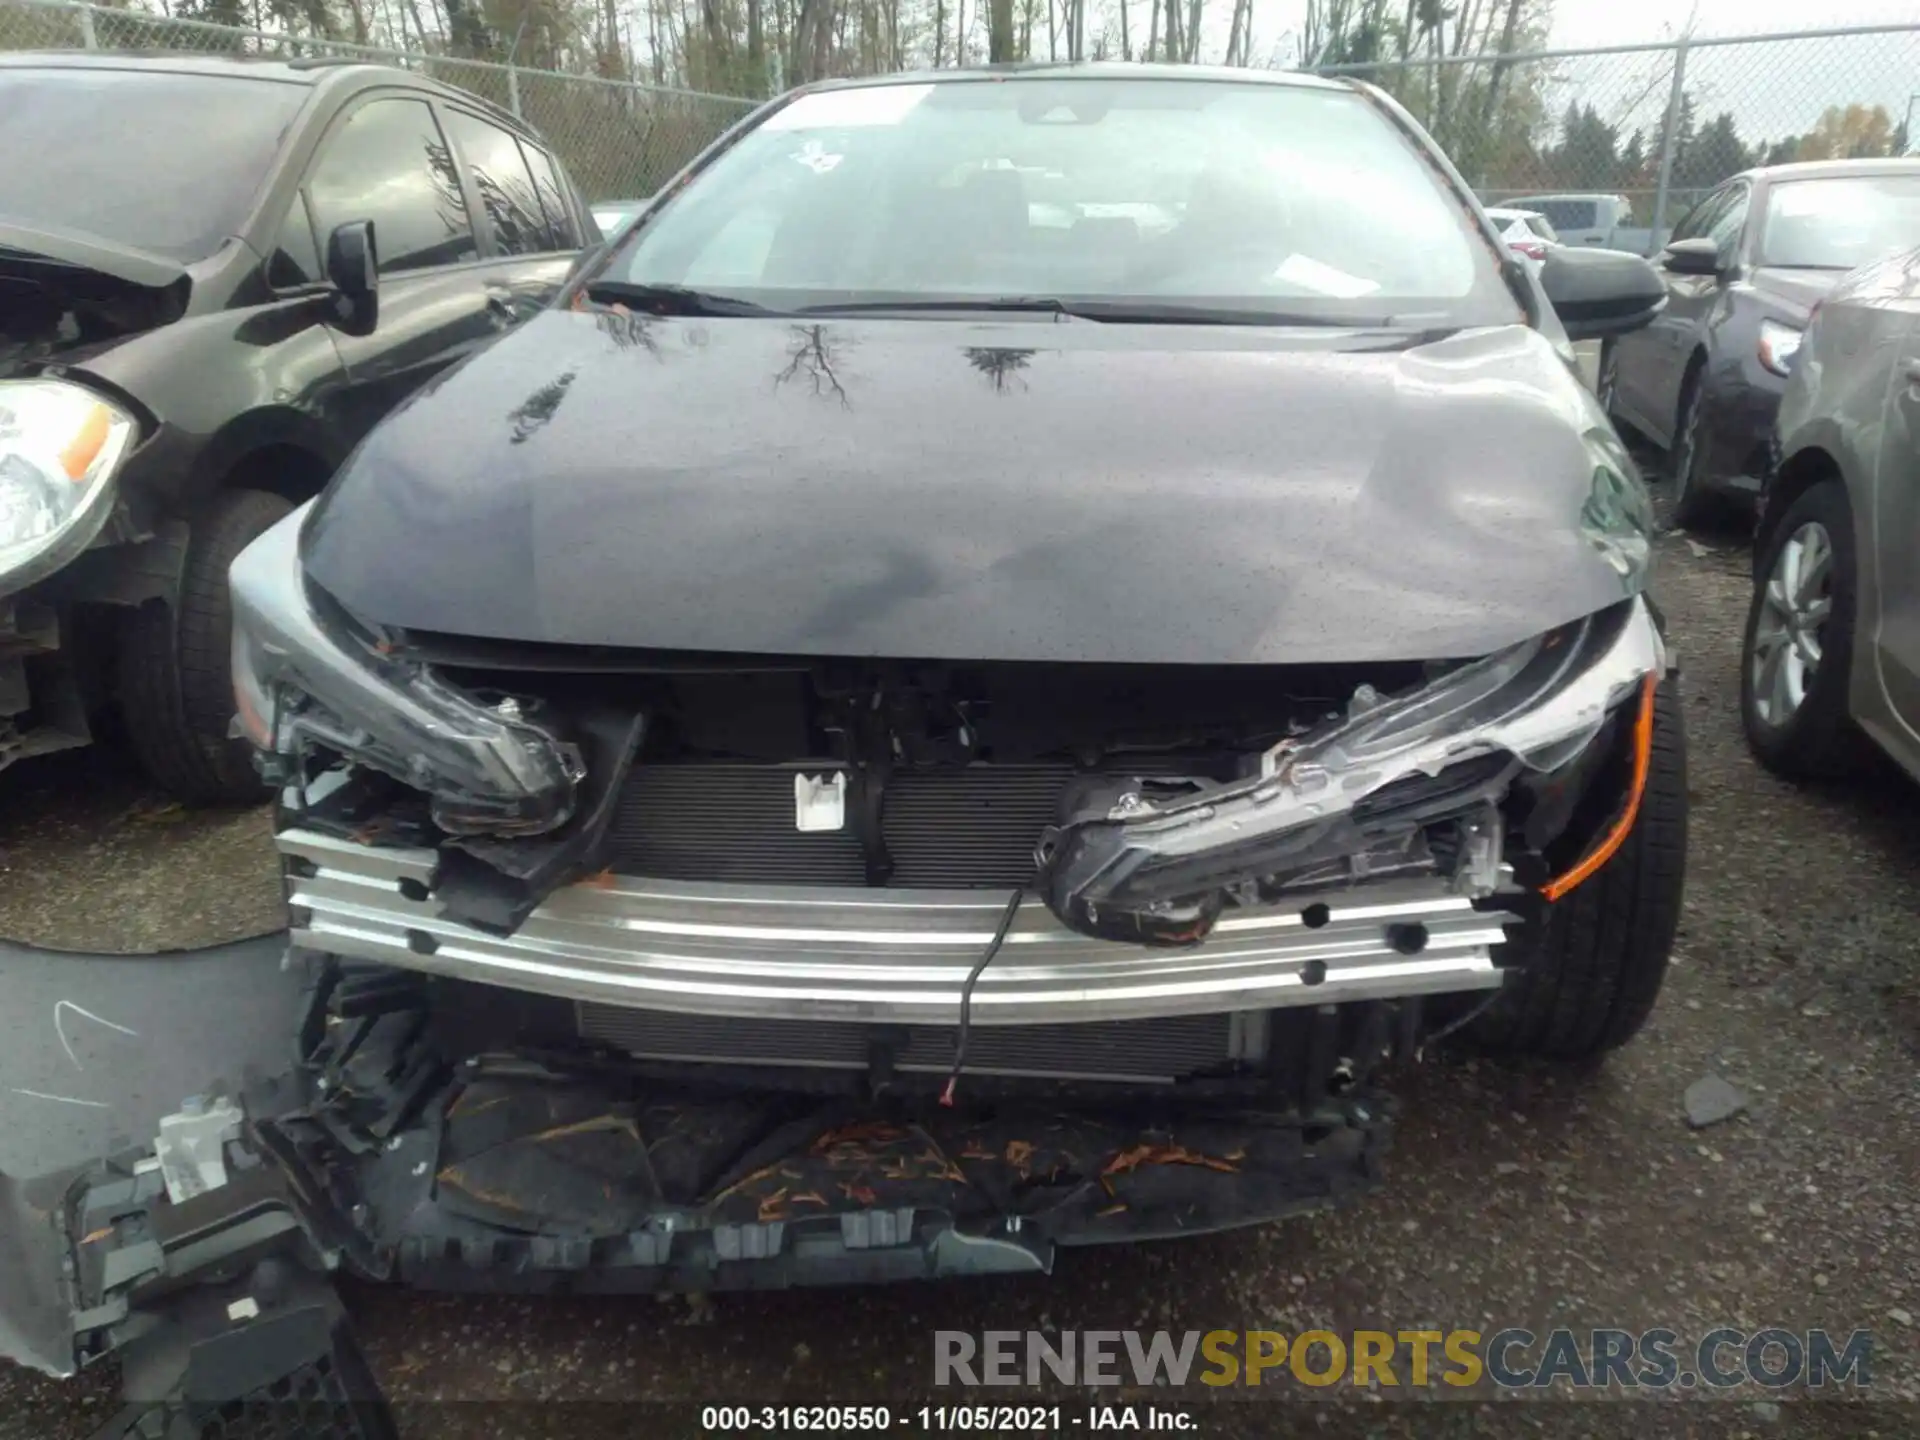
point(524, 1169)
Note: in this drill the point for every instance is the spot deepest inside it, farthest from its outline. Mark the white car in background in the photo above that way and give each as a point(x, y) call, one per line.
point(1527, 233)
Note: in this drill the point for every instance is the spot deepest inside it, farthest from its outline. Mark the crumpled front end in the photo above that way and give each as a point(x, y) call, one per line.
point(897, 867)
point(804, 973)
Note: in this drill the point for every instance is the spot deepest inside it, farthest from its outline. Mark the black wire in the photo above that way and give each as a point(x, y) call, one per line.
point(966, 990)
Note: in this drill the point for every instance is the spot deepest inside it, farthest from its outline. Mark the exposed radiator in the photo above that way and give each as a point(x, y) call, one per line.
point(1136, 1050)
point(944, 829)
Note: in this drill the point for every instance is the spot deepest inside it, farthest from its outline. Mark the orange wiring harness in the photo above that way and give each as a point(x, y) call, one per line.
point(1622, 827)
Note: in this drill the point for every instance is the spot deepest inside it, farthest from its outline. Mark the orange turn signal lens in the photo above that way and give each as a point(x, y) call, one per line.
point(79, 453)
point(1622, 827)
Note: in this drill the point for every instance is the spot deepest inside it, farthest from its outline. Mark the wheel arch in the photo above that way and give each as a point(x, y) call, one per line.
point(1811, 463)
point(275, 448)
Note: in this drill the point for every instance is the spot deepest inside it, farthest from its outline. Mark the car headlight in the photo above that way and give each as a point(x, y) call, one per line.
point(305, 675)
point(1778, 345)
point(59, 447)
point(1617, 516)
point(1157, 867)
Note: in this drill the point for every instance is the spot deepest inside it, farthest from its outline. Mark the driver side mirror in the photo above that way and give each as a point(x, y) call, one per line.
point(1698, 256)
point(1601, 293)
point(353, 269)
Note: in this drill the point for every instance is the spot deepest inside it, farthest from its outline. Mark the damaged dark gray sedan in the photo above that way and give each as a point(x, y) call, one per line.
point(1006, 650)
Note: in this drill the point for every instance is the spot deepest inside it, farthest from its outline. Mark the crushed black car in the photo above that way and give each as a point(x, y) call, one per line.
point(887, 735)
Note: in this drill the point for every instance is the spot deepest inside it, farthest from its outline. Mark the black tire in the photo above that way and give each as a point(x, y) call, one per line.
point(1819, 738)
point(176, 685)
point(1695, 505)
point(1587, 973)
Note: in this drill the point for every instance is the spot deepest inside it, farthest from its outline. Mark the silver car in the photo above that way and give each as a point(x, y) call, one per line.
point(1832, 647)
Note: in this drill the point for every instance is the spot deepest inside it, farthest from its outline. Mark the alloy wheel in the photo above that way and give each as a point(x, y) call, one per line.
point(1789, 633)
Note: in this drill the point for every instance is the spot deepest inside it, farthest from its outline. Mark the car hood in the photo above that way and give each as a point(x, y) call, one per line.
point(1010, 491)
point(65, 296)
point(1801, 289)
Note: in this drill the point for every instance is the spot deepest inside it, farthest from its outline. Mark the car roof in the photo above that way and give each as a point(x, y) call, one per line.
point(1092, 70)
point(1569, 195)
point(334, 73)
point(1833, 169)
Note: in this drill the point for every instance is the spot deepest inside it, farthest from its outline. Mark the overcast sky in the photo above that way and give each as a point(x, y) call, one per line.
point(1772, 90)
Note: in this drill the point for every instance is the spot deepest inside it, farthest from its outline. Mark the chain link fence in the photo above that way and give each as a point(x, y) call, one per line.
point(1661, 124)
point(1658, 124)
point(620, 140)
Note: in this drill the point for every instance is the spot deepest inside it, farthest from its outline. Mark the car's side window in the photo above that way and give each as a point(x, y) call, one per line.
point(1725, 227)
point(296, 257)
point(505, 185)
point(553, 197)
point(1696, 221)
point(388, 162)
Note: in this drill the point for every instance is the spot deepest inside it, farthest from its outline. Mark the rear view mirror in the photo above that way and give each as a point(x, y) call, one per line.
point(1601, 293)
point(353, 269)
point(1698, 256)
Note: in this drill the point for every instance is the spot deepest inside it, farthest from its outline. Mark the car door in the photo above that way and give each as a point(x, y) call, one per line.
point(1896, 530)
point(385, 159)
point(1660, 357)
point(1640, 374)
point(531, 229)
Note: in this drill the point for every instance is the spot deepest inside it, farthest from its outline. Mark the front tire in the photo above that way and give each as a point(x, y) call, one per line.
point(1588, 972)
point(1696, 506)
point(176, 676)
point(1796, 656)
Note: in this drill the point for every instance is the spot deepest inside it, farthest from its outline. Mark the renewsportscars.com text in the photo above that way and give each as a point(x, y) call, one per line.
point(1512, 1359)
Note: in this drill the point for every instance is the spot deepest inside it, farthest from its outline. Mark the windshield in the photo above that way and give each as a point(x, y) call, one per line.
point(1842, 222)
point(160, 161)
point(1248, 200)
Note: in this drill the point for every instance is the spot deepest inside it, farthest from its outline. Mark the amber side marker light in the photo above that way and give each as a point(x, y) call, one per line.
point(77, 457)
point(1630, 812)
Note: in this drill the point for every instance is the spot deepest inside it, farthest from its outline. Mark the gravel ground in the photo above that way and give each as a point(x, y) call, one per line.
point(1517, 1196)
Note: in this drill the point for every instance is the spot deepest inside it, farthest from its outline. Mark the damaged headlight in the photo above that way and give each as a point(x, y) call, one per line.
point(1617, 518)
point(59, 448)
point(1158, 868)
point(305, 675)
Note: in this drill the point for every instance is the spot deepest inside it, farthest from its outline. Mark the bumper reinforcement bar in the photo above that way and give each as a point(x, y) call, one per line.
point(880, 955)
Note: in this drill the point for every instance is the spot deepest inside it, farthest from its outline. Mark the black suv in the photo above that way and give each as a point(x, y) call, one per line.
point(215, 276)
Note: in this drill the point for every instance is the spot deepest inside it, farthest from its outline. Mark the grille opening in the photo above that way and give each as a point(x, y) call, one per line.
point(969, 761)
point(1161, 1050)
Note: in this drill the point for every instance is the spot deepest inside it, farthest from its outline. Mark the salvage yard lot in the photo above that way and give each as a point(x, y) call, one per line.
point(1514, 1196)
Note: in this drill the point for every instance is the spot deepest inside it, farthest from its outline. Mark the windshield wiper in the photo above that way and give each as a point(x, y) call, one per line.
point(672, 299)
point(918, 304)
point(1113, 312)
